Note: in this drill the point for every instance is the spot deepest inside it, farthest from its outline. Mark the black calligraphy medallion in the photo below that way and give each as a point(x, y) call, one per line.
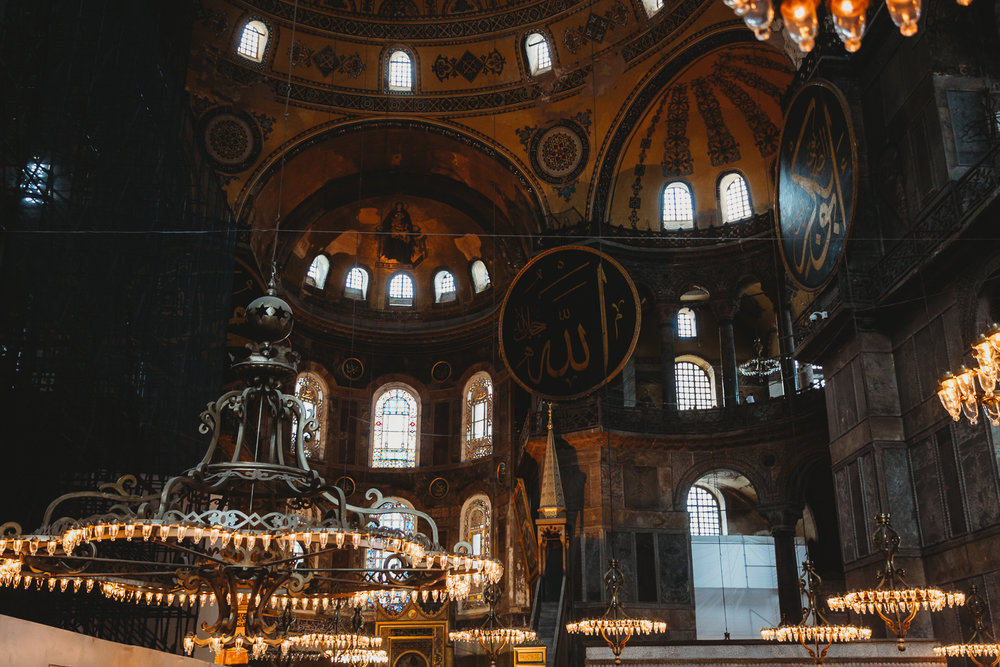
point(569, 322)
point(817, 184)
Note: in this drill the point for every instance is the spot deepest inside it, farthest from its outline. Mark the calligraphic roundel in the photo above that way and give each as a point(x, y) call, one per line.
point(817, 184)
point(569, 322)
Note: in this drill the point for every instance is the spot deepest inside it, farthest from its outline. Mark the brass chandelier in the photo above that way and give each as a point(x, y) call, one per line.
point(814, 632)
point(250, 528)
point(982, 643)
point(615, 626)
point(893, 599)
point(959, 394)
point(801, 18)
point(492, 635)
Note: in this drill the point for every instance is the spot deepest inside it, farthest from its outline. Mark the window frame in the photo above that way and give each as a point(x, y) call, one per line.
point(478, 444)
point(383, 390)
point(530, 60)
point(353, 292)
point(270, 37)
point(472, 274)
point(445, 297)
point(688, 314)
point(387, 85)
point(723, 184)
point(397, 301)
point(310, 281)
point(676, 225)
point(409, 522)
point(709, 372)
point(720, 509)
point(35, 182)
point(319, 447)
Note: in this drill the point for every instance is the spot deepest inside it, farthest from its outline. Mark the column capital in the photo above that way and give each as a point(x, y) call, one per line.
point(781, 517)
point(724, 309)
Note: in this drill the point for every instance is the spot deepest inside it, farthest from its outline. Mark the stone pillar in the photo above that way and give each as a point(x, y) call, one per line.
point(727, 352)
point(786, 347)
point(783, 520)
point(668, 332)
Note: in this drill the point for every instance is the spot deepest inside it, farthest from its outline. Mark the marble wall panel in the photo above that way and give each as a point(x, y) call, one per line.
point(623, 548)
point(642, 488)
point(674, 553)
point(979, 471)
point(593, 567)
point(930, 504)
point(899, 492)
point(842, 490)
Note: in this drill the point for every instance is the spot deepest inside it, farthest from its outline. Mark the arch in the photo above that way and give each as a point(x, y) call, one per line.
point(400, 289)
point(706, 510)
point(480, 276)
point(718, 462)
point(734, 197)
point(395, 426)
point(356, 284)
point(677, 206)
point(538, 53)
point(317, 272)
point(445, 290)
point(695, 379)
point(400, 70)
point(477, 417)
point(652, 6)
point(253, 40)
point(476, 523)
point(311, 389)
point(687, 323)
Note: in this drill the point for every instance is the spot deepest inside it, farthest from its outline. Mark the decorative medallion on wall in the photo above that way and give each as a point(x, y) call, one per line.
point(502, 472)
point(569, 322)
point(328, 61)
point(352, 368)
point(346, 484)
point(817, 182)
point(231, 138)
point(558, 155)
point(438, 488)
point(596, 27)
point(441, 371)
point(468, 66)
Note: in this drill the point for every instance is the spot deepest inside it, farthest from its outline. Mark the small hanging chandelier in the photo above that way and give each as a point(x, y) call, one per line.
point(814, 632)
point(893, 599)
point(759, 366)
point(802, 20)
point(492, 635)
point(958, 393)
point(615, 626)
point(981, 644)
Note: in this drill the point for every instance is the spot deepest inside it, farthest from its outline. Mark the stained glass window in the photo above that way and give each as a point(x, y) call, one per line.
point(356, 285)
point(394, 430)
point(678, 207)
point(687, 325)
point(253, 40)
point(376, 558)
point(480, 276)
point(694, 388)
point(735, 198)
point(444, 287)
point(538, 52)
point(476, 531)
point(401, 290)
point(703, 510)
point(309, 390)
point(478, 417)
point(316, 276)
point(400, 71)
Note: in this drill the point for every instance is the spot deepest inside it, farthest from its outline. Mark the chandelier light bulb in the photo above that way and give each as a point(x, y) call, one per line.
point(801, 21)
point(850, 29)
point(905, 14)
point(758, 17)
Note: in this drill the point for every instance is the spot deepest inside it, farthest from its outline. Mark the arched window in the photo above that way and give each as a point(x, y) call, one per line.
point(316, 275)
point(310, 389)
point(399, 74)
point(406, 523)
point(395, 424)
point(478, 417)
point(480, 276)
point(476, 525)
point(678, 207)
point(694, 386)
point(652, 6)
point(687, 324)
point(539, 54)
point(444, 287)
point(253, 41)
point(356, 285)
point(704, 510)
point(734, 198)
point(401, 290)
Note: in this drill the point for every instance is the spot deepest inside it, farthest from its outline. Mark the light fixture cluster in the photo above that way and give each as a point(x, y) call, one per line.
point(895, 601)
point(982, 643)
point(801, 18)
point(958, 392)
point(250, 529)
point(615, 626)
point(491, 634)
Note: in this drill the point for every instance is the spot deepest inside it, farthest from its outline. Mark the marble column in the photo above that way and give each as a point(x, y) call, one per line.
point(727, 352)
point(783, 520)
point(668, 332)
point(786, 347)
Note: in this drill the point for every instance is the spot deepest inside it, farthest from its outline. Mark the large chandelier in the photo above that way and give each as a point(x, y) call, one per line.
point(250, 528)
point(981, 644)
point(958, 393)
point(894, 600)
point(814, 632)
point(802, 20)
point(492, 635)
point(616, 627)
